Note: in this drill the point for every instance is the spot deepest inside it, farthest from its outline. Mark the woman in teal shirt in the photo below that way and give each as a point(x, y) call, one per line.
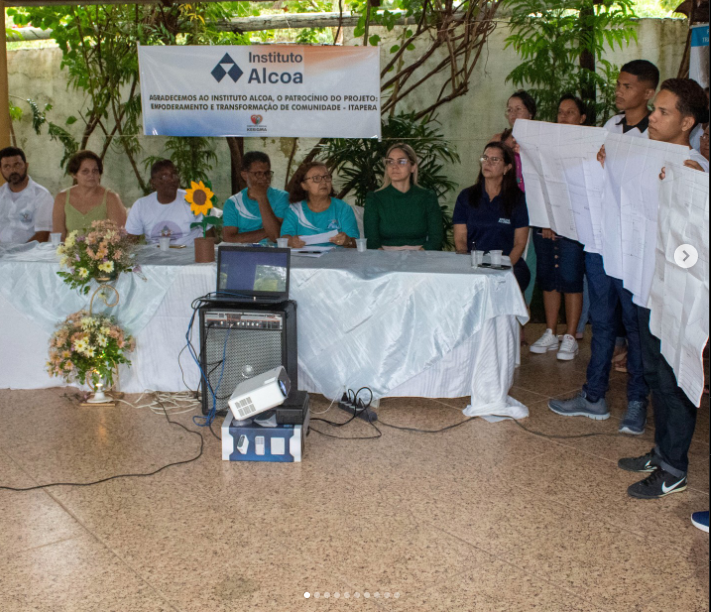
point(315, 210)
point(402, 215)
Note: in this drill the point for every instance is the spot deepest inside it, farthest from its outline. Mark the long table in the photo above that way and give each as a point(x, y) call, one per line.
point(404, 323)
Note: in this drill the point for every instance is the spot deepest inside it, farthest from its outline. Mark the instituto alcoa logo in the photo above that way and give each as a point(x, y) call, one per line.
point(227, 66)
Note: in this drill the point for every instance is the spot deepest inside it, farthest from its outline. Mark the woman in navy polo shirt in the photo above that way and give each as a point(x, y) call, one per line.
point(492, 213)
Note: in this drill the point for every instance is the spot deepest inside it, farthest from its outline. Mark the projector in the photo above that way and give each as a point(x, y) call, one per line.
point(259, 394)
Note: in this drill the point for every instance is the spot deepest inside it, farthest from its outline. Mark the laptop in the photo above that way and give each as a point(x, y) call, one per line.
point(254, 274)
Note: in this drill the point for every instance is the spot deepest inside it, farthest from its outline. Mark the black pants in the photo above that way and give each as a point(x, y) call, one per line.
point(674, 413)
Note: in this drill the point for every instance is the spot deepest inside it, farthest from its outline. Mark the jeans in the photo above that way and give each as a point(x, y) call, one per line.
point(605, 294)
point(560, 264)
point(674, 413)
point(584, 315)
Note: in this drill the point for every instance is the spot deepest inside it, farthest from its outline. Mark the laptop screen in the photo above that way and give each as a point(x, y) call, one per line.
point(253, 272)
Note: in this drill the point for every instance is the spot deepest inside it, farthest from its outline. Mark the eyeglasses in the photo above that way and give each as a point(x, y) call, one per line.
point(519, 110)
point(319, 177)
point(705, 136)
point(89, 171)
point(260, 175)
point(494, 160)
point(403, 161)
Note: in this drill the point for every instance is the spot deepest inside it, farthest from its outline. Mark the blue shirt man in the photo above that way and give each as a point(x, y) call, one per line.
point(255, 213)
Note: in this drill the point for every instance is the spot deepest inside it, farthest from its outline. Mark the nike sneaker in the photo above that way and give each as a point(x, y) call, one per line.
point(659, 483)
point(643, 464)
point(635, 418)
point(579, 405)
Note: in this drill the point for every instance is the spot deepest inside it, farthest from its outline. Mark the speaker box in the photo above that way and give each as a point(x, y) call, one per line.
point(241, 340)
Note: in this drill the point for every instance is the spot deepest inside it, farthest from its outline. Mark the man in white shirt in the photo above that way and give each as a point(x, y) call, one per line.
point(636, 85)
point(679, 106)
point(25, 206)
point(165, 211)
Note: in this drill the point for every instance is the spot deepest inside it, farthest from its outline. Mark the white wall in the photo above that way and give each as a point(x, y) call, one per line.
point(468, 121)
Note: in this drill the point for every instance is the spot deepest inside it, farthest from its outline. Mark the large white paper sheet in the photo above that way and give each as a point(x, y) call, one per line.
point(629, 208)
point(679, 298)
point(563, 178)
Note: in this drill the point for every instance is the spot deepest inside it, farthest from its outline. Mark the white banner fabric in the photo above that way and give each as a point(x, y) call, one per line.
point(261, 90)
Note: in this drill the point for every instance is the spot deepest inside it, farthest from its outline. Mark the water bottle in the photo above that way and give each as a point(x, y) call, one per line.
point(475, 262)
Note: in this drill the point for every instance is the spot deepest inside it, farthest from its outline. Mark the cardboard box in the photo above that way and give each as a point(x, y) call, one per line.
point(283, 443)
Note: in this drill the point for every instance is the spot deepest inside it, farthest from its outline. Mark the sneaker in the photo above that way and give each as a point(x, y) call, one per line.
point(547, 342)
point(701, 520)
point(568, 348)
point(581, 406)
point(644, 464)
point(635, 419)
point(659, 483)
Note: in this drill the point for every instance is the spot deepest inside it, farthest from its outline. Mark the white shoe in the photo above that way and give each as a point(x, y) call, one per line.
point(547, 342)
point(568, 348)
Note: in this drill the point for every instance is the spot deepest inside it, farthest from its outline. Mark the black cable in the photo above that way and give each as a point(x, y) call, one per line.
point(426, 430)
point(558, 437)
point(153, 473)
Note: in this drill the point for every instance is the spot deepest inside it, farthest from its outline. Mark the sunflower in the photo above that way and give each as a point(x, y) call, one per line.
point(199, 197)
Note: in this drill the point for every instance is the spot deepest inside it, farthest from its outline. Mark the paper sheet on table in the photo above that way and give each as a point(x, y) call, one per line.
point(679, 298)
point(319, 238)
point(629, 208)
point(563, 178)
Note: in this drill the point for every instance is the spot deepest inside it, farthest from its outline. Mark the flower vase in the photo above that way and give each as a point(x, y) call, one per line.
point(204, 250)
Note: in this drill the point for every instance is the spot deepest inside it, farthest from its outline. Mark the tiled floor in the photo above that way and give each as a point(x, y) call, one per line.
point(484, 517)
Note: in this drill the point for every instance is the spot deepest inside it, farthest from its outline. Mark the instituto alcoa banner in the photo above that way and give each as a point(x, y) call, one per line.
point(261, 90)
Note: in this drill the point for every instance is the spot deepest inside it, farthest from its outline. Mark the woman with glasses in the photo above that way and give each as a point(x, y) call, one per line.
point(87, 201)
point(314, 210)
point(492, 213)
point(520, 105)
point(402, 215)
point(560, 266)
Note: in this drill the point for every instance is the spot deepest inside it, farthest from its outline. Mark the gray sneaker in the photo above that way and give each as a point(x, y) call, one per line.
point(635, 419)
point(580, 406)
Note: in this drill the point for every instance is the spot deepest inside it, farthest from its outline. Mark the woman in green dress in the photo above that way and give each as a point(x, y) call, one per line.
point(402, 215)
point(87, 201)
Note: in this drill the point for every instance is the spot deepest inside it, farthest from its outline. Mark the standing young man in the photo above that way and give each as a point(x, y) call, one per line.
point(636, 85)
point(679, 106)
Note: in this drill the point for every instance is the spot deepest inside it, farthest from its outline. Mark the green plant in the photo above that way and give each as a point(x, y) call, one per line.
point(359, 162)
point(562, 45)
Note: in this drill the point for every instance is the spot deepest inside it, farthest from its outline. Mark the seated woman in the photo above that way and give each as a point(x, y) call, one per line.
point(314, 210)
point(87, 201)
point(492, 213)
point(560, 265)
point(401, 214)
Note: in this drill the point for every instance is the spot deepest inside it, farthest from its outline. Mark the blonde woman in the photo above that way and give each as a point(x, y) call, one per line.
point(401, 214)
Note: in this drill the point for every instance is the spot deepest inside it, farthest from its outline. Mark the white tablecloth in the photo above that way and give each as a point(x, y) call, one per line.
point(403, 323)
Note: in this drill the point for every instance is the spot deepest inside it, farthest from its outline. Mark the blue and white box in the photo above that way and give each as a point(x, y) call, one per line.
point(251, 442)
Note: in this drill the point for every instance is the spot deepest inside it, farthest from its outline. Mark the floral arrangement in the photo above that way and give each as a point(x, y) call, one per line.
point(202, 200)
point(103, 251)
point(86, 348)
